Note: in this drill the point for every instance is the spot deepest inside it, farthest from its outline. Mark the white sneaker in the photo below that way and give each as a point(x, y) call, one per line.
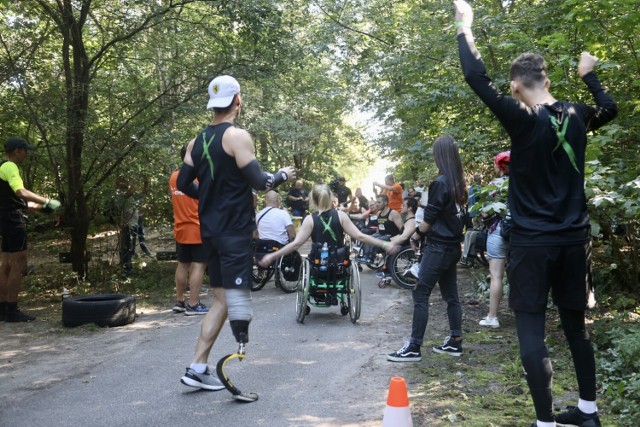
point(412, 271)
point(491, 322)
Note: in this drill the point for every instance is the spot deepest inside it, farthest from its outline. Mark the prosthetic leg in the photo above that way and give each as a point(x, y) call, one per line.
point(239, 308)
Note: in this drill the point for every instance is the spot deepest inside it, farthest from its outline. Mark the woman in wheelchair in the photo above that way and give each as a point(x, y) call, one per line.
point(326, 225)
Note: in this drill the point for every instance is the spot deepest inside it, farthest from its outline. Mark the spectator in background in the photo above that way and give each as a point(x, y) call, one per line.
point(364, 202)
point(126, 204)
point(192, 258)
point(140, 229)
point(473, 198)
point(497, 246)
point(342, 191)
point(392, 190)
point(298, 199)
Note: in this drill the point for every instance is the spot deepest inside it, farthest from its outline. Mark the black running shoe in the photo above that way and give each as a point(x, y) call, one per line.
point(408, 353)
point(574, 416)
point(450, 347)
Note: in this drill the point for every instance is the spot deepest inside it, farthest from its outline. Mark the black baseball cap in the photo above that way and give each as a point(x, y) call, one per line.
point(16, 142)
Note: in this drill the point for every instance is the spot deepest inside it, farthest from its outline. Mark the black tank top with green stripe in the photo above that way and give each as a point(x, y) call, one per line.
point(225, 202)
point(327, 228)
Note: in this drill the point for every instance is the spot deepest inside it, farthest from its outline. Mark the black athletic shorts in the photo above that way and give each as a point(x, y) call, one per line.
point(186, 252)
point(534, 270)
point(230, 260)
point(13, 224)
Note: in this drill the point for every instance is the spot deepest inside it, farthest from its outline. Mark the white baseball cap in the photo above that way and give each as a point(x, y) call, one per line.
point(222, 89)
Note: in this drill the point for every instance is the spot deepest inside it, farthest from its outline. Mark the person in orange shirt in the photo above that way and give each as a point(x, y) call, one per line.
point(192, 258)
point(393, 191)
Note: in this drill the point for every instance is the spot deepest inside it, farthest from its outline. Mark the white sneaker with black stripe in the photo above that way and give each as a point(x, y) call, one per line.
point(408, 353)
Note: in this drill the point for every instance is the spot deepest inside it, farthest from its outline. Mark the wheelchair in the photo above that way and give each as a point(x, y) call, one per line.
point(287, 269)
point(400, 264)
point(338, 285)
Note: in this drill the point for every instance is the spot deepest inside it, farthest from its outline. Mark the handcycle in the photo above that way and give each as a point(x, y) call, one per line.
point(338, 285)
point(287, 269)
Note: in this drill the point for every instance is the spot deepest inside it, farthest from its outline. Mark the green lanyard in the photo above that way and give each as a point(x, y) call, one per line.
point(327, 227)
point(560, 128)
point(205, 150)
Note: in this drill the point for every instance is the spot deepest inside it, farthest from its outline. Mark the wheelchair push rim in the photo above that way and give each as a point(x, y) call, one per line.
point(354, 296)
point(303, 292)
point(292, 261)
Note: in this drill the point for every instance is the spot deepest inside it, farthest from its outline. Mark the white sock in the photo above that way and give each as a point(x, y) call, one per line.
point(199, 367)
point(587, 407)
point(545, 423)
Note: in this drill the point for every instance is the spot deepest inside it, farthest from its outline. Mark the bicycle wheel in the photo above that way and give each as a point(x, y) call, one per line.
point(399, 266)
point(354, 297)
point(288, 273)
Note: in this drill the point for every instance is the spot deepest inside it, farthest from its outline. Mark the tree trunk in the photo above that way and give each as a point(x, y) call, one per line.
point(77, 83)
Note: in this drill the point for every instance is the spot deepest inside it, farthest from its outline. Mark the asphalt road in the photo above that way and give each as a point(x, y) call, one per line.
point(325, 372)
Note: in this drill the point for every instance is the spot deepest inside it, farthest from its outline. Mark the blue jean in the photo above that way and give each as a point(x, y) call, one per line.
point(299, 212)
point(438, 265)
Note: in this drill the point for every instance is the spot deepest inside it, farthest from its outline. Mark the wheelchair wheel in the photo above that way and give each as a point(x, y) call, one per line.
point(354, 297)
point(399, 265)
point(260, 276)
point(302, 309)
point(288, 272)
point(378, 261)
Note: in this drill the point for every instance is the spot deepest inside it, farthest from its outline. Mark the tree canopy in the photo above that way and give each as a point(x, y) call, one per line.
point(110, 89)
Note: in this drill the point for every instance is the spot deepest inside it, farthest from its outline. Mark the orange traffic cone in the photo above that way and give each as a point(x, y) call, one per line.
point(397, 412)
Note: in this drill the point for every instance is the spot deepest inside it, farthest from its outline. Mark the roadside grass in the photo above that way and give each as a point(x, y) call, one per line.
point(486, 386)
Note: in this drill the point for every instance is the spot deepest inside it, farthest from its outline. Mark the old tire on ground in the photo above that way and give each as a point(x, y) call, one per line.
point(101, 309)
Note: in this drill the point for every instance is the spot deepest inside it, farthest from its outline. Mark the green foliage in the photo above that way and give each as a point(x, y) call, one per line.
point(618, 359)
point(492, 199)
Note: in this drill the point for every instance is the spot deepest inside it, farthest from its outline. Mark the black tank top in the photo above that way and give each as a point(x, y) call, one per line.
point(8, 199)
point(386, 227)
point(225, 202)
point(327, 228)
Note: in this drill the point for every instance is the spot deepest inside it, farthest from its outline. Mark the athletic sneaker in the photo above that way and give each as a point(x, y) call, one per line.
point(383, 275)
point(197, 309)
point(206, 380)
point(574, 416)
point(14, 316)
point(179, 307)
point(412, 271)
point(450, 347)
point(491, 322)
point(408, 353)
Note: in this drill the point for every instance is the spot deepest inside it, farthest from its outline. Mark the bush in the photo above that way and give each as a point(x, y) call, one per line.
point(618, 364)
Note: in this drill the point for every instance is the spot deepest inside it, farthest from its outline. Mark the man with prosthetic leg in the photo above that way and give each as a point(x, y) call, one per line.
point(223, 160)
